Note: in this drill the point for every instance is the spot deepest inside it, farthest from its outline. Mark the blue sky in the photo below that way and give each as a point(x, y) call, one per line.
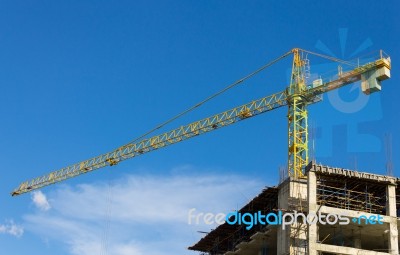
point(80, 78)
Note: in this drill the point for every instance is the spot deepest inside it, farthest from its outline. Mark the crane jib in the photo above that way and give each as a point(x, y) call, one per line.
point(182, 133)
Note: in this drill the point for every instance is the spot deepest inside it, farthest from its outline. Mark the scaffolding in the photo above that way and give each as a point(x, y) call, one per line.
point(348, 194)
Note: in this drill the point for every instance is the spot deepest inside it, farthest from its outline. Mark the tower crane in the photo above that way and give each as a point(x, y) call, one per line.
point(297, 96)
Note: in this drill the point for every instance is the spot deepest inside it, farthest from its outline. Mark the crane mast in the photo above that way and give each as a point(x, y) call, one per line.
point(297, 118)
point(296, 96)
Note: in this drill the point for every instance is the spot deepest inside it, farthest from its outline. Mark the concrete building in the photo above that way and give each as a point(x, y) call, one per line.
point(368, 202)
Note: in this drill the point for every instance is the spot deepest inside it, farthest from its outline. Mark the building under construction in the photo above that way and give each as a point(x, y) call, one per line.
point(325, 190)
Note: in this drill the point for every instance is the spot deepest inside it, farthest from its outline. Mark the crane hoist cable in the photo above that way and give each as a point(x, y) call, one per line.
point(234, 84)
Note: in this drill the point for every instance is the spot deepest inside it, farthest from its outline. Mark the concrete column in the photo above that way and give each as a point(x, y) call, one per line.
point(283, 240)
point(312, 233)
point(391, 211)
point(391, 201)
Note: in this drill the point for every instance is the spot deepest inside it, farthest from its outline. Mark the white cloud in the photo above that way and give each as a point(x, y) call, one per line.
point(138, 214)
point(12, 229)
point(40, 200)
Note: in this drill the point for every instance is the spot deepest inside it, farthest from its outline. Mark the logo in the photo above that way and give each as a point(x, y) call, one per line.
point(283, 219)
point(343, 126)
